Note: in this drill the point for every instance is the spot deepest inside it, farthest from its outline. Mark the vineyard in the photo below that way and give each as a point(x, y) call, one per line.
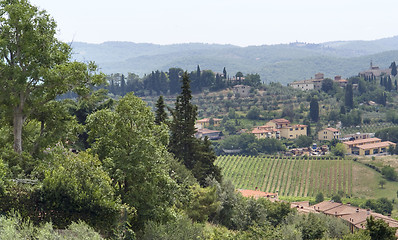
point(289, 176)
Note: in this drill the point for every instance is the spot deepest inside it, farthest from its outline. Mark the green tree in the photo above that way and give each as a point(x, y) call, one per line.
point(197, 155)
point(389, 173)
point(182, 141)
point(160, 114)
point(314, 109)
point(303, 141)
point(327, 85)
point(349, 96)
point(34, 65)
point(75, 186)
point(254, 113)
point(382, 182)
point(319, 198)
point(379, 230)
point(133, 148)
point(393, 69)
point(339, 150)
point(336, 198)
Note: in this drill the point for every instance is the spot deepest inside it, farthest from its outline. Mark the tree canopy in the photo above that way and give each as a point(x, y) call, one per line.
point(35, 66)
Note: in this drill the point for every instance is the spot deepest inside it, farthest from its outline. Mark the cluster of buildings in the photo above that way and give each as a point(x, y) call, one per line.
point(357, 144)
point(316, 83)
point(375, 71)
point(280, 128)
point(355, 217)
point(202, 130)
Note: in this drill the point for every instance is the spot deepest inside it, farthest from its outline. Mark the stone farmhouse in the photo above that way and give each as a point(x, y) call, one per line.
point(316, 83)
point(328, 134)
point(375, 71)
point(280, 128)
point(242, 90)
point(205, 122)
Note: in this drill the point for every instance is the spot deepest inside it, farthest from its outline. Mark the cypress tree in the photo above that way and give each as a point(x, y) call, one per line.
point(393, 69)
point(182, 139)
point(160, 114)
point(197, 155)
point(349, 98)
point(314, 109)
point(122, 86)
point(224, 71)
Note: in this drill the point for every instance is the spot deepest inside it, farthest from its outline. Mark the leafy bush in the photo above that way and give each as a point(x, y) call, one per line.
point(389, 173)
point(74, 186)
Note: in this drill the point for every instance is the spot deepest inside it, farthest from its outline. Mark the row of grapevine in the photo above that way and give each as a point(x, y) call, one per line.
point(289, 176)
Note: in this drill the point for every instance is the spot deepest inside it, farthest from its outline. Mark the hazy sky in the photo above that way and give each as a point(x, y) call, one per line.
point(238, 22)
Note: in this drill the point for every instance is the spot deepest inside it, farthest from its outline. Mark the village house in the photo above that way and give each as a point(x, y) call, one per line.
point(280, 128)
point(341, 82)
point(205, 122)
point(354, 216)
point(294, 131)
point(309, 84)
point(242, 90)
point(375, 71)
point(211, 134)
point(328, 134)
point(368, 146)
point(266, 132)
point(356, 136)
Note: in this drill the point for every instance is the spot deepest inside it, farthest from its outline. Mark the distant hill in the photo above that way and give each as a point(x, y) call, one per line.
point(278, 63)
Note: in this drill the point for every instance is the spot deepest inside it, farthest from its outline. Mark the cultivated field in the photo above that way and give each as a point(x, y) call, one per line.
point(290, 176)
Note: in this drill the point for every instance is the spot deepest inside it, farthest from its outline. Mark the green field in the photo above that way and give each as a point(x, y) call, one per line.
point(289, 176)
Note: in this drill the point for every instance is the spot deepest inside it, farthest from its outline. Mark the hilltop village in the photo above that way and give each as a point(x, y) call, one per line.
point(183, 155)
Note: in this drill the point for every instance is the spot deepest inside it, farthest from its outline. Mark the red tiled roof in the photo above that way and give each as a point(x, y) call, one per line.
point(326, 205)
point(280, 121)
point(376, 145)
point(332, 129)
point(258, 131)
point(359, 141)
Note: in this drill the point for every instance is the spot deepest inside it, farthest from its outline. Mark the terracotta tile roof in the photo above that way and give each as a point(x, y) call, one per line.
point(325, 206)
point(303, 207)
point(265, 126)
point(342, 210)
point(332, 129)
point(376, 145)
point(256, 194)
point(280, 121)
point(259, 131)
point(362, 141)
point(206, 120)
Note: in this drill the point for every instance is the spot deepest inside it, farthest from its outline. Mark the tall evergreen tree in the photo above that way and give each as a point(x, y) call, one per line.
point(160, 114)
point(314, 109)
point(182, 139)
point(393, 69)
point(224, 72)
point(197, 155)
point(349, 97)
point(122, 86)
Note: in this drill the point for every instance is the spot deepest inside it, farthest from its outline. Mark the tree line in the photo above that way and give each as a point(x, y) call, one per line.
point(169, 83)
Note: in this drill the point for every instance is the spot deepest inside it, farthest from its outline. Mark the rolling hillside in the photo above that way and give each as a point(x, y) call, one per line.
point(275, 63)
point(300, 177)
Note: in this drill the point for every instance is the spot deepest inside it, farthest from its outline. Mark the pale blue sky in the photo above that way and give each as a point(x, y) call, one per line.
point(238, 22)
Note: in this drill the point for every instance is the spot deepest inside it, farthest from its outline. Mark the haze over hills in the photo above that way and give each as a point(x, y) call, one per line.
point(275, 63)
